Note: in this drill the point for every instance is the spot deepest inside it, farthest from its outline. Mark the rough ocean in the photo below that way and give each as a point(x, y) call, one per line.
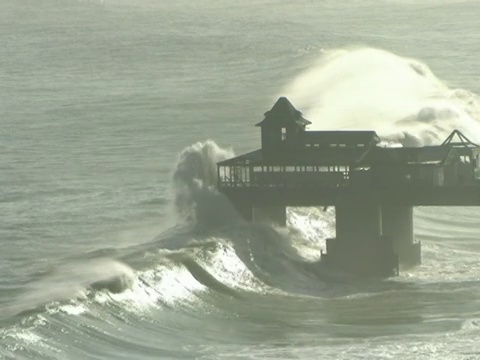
point(116, 243)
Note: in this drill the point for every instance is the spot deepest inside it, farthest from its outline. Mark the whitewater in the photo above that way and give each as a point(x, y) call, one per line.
point(116, 243)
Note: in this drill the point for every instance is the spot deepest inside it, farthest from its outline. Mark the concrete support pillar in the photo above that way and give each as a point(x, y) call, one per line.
point(397, 224)
point(358, 220)
point(359, 247)
point(273, 214)
point(245, 210)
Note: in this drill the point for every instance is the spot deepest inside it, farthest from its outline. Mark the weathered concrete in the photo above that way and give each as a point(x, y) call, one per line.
point(358, 220)
point(397, 224)
point(359, 247)
point(245, 209)
point(276, 215)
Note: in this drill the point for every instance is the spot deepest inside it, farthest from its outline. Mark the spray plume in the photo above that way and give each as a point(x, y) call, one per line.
point(400, 98)
point(194, 181)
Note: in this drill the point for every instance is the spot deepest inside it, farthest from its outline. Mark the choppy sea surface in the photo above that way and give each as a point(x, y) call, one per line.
point(114, 242)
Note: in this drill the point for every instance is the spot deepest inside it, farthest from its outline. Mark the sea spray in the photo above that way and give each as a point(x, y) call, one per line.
point(400, 98)
point(266, 254)
point(72, 280)
point(194, 181)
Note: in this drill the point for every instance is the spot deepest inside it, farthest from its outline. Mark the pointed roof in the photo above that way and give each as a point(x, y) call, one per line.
point(462, 140)
point(283, 113)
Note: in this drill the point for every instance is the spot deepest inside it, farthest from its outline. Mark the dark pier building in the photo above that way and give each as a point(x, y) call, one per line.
point(373, 188)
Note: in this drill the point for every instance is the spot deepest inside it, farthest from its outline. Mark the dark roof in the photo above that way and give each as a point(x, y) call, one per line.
point(328, 156)
point(428, 155)
point(302, 157)
point(340, 137)
point(283, 113)
point(253, 157)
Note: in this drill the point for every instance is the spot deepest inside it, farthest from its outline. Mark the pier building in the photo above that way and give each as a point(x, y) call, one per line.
point(372, 187)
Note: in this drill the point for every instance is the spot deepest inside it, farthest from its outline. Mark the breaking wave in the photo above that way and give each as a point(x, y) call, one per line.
point(189, 274)
point(194, 183)
point(211, 248)
point(212, 256)
point(211, 252)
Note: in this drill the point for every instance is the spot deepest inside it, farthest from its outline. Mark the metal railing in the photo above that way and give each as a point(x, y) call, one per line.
point(287, 180)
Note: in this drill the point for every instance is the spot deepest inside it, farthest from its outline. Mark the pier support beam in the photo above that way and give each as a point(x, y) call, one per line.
point(359, 247)
point(397, 224)
point(245, 209)
point(273, 214)
point(353, 221)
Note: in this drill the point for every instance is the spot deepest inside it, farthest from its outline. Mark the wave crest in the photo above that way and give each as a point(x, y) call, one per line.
point(194, 181)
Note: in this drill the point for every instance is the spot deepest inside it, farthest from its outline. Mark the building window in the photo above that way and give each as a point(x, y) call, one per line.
point(465, 159)
point(284, 134)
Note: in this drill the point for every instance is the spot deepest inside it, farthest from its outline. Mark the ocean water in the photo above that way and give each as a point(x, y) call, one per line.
point(114, 243)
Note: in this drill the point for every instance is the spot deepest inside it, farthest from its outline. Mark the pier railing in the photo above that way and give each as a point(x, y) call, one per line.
point(335, 176)
point(283, 176)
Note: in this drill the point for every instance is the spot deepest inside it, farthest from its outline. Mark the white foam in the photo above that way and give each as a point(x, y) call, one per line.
point(26, 336)
point(155, 287)
point(227, 268)
point(400, 98)
point(313, 226)
point(72, 309)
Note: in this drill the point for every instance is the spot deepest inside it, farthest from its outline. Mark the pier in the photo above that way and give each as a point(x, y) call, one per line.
point(372, 187)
